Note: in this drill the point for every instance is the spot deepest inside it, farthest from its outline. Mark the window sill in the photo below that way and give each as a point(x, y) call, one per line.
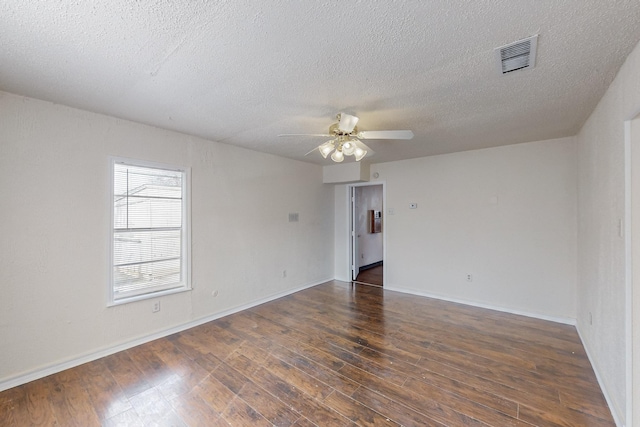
point(148, 296)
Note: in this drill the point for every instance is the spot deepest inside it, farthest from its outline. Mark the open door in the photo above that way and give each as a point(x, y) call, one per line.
point(355, 266)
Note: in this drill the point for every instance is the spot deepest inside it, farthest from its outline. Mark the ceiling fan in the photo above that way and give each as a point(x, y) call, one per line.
point(345, 139)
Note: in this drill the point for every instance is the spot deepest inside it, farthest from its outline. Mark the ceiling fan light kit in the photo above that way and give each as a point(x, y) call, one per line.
point(326, 148)
point(337, 156)
point(347, 123)
point(346, 139)
point(348, 148)
point(343, 146)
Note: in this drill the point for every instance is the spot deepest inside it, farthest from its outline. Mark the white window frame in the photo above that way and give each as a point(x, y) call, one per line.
point(185, 264)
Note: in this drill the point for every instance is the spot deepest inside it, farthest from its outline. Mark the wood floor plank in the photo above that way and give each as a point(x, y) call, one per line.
point(70, 400)
point(7, 415)
point(586, 401)
point(234, 374)
point(473, 403)
point(177, 385)
point(473, 343)
point(176, 360)
point(208, 362)
point(303, 381)
point(34, 408)
point(408, 413)
point(238, 413)
point(322, 356)
point(396, 411)
point(447, 377)
point(152, 367)
point(306, 405)
point(106, 395)
point(323, 374)
point(302, 329)
point(12, 395)
point(189, 344)
point(357, 412)
point(230, 377)
point(483, 366)
point(421, 396)
point(268, 405)
point(334, 354)
point(126, 373)
point(561, 417)
point(304, 422)
point(127, 418)
point(214, 393)
point(257, 352)
point(154, 409)
point(333, 326)
point(193, 410)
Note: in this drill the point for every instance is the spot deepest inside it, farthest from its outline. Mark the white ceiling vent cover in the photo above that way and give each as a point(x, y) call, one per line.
point(517, 56)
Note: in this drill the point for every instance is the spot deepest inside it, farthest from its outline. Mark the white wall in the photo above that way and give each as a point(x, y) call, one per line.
point(54, 227)
point(505, 215)
point(601, 206)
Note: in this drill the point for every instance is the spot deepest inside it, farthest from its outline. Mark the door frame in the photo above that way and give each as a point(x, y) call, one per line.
point(632, 265)
point(351, 221)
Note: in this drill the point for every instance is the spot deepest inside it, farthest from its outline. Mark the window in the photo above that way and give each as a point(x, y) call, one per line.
point(149, 230)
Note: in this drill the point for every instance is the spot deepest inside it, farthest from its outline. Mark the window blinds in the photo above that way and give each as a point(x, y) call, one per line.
point(148, 230)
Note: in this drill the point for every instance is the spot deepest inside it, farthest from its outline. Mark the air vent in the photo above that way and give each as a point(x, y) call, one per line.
point(517, 56)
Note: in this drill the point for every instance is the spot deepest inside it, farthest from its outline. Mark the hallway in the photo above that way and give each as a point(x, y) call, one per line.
point(371, 276)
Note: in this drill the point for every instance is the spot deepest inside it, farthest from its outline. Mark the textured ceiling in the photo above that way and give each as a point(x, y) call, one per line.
point(243, 72)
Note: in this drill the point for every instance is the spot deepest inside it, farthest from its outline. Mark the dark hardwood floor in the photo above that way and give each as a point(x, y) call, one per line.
point(371, 276)
point(333, 355)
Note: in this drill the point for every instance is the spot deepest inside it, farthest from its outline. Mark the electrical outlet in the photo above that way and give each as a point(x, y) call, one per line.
point(156, 307)
point(469, 278)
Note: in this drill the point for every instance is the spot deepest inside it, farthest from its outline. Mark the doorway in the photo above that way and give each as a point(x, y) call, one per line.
point(367, 234)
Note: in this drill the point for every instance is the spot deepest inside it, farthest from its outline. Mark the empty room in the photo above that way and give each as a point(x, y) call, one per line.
point(280, 213)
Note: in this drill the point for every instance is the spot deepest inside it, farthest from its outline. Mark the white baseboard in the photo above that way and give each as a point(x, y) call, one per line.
point(564, 320)
point(89, 357)
point(614, 410)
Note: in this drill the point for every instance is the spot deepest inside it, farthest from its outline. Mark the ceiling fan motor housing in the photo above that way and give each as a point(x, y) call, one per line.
point(334, 129)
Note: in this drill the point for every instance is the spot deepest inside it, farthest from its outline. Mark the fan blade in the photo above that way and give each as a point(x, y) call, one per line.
point(366, 147)
point(317, 148)
point(306, 134)
point(386, 134)
point(347, 122)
